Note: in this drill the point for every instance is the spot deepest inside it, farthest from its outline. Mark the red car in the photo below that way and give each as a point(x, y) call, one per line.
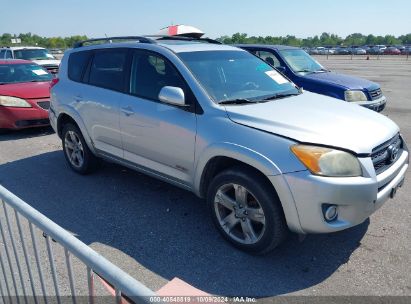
point(392, 51)
point(24, 94)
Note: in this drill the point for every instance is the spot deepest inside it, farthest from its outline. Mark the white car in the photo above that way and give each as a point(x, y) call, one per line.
point(38, 55)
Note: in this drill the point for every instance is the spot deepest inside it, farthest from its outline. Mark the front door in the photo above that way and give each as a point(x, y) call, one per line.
point(157, 136)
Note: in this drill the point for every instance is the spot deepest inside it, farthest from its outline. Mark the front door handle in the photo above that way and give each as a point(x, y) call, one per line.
point(127, 110)
point(78, 98)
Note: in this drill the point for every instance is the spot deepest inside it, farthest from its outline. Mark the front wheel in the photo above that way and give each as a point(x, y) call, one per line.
point(76, 151)
point(246, 210)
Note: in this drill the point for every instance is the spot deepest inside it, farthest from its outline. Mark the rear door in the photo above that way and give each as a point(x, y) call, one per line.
point(157, 136)
point(99, 101)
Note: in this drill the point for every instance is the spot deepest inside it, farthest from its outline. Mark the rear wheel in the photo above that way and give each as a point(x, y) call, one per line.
point(246, 210)
point(76, 151)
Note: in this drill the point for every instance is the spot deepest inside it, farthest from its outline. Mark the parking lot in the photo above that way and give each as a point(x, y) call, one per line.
point(156, 232)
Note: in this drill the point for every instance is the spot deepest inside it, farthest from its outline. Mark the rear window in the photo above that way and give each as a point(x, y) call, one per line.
point(108, 69)
point(77, 64)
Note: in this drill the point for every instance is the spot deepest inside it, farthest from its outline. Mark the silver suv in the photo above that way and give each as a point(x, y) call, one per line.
point(220, 122)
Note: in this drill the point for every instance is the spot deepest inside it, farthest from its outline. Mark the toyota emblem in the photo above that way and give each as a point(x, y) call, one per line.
point(392, 152)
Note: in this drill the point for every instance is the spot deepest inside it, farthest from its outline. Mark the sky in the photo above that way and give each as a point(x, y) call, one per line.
point(301, 18)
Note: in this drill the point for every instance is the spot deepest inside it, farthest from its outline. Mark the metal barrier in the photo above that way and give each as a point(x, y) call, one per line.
point(19, 224)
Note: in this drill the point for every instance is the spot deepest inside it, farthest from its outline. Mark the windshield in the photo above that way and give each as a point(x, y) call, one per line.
point(16, 73)
point(236, 75)
point(33, 54)
point(300, 62)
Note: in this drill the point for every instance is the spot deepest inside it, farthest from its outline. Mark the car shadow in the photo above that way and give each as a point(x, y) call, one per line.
point(6, 135)
point(168, 231)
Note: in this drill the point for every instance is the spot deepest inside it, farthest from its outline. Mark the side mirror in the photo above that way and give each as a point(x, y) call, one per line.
point(172, 95)
point(281, 69)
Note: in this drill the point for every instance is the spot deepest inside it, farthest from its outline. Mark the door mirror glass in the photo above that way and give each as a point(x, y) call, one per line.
point(172, 95)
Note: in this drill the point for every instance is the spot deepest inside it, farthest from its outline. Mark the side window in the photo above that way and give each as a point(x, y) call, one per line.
point(269, 58)
point(77, 63)
point(2, 54)
point(108, 69)
point(9, 55)
point(150, 73)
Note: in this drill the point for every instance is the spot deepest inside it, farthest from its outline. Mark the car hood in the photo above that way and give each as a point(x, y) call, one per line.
point(47, 62)
point(346, 81)
point(317, 119)
point(26, 90)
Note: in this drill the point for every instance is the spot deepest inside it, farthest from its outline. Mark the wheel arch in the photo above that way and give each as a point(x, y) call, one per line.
point(70, 116)
point(219, 157)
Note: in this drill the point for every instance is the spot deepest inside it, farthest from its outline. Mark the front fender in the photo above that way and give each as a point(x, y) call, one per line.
point(235, 151)
point(259, 162)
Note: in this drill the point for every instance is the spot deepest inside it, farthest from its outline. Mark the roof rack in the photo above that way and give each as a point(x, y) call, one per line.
point(146, 39)
point(183, 38)
point(141, 39)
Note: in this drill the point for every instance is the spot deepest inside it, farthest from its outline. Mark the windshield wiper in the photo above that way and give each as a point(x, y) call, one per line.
point(304, 71)
point(321, 71)
point(280, 95)
point(238, 101)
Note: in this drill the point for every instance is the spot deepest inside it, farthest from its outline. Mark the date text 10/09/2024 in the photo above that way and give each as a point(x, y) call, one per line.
point(202, 299)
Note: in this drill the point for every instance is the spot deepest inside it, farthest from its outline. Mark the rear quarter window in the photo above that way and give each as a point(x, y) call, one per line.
point(77, 64)
point(108, 69)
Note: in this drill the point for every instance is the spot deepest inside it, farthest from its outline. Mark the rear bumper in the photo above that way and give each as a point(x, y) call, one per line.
point(356, 198)
point(21, 118)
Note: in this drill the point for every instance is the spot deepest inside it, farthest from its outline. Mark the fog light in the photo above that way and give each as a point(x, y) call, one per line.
point(330, 212)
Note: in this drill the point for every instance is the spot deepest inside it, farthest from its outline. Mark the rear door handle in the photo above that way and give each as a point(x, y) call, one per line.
point(127, 110)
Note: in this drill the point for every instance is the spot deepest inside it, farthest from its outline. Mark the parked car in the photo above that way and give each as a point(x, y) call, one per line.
point(306, 72)
point(406, 50)
point(24, 94)
point(56, 51)
point(313, 51)
point(392, 51)
point(375, 50)
point(356, 50)
point(342, 51)
point(267, 156)
point(38, 55)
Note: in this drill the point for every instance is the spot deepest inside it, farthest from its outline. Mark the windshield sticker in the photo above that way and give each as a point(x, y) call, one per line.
point(49, 56)
point(276, 77)
point(39, 72)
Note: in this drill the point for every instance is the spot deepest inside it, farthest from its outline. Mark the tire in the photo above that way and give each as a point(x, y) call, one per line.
point(78, 155)
point(236, 198)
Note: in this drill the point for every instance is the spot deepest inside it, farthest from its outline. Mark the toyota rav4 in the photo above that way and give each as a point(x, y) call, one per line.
point(222, 123)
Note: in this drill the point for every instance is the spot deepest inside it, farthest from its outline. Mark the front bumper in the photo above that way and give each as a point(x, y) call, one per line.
point(21, 118)
point(377, 105)
point(356, 198)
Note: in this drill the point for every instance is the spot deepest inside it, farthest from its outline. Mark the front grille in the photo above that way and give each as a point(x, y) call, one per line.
point(386, 154)
point(52, 68)
point(375, 94)
point(44, 104)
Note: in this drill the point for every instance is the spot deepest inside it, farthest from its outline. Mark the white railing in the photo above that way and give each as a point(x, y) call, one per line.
point(26, 263)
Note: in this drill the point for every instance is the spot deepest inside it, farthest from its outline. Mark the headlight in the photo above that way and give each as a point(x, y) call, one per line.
point(327, 162)
point(355, 96)
point(10, 101)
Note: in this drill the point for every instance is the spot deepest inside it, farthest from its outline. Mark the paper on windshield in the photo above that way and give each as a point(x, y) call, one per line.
point(276, 77)
point(39, 72)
